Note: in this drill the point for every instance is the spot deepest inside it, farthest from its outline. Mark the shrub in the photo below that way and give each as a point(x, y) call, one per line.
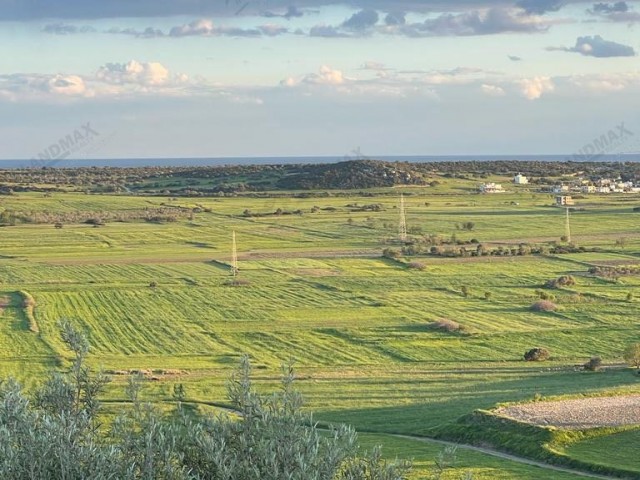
point(537, 355)
point(58, 434)
point(468, 226)
point(545, 295)
point(153, 284)
point(487, 296)
point(391, 253)
point(416, 265)
point(446, 325)
point(544, 306)
point(563, 281)
point(632, 355)
point(594, 364)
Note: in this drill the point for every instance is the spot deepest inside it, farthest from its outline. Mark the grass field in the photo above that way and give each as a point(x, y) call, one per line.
point(617, 450)
point(318, 292)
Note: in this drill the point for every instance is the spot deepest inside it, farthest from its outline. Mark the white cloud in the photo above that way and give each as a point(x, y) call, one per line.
point(325, 76)
point(111, 79)
point(605, 83)
point(332, 80)
point(134, 72)
point(71, 85)
point(534, 88)
point(197, 27)
point(492, 90)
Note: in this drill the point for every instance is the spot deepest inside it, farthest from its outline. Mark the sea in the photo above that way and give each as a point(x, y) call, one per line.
point(220, 161)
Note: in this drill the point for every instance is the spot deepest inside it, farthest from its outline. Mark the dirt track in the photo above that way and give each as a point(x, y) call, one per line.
point(579, 413)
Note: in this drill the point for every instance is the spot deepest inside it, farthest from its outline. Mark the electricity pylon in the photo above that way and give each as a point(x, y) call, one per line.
point(234, 255)
point(402, 226)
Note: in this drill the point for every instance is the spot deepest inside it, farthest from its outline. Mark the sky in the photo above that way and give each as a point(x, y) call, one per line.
point(220, 78)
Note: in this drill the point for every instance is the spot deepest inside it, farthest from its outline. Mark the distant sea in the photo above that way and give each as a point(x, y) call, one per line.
point(217, 161)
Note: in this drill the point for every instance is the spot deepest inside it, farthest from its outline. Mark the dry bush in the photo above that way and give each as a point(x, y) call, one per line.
point(416, 266)
point(537, 355)
point(446, 325)
point(544, 306)
point(563, 281)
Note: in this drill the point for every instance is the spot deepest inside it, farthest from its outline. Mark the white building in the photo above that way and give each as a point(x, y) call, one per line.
point(564, 200)
point(491, 188)
point(520, 180)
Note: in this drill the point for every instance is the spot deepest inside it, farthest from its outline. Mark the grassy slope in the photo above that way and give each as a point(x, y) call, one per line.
point(356, 326)
point(482, 467)
point(618, 450)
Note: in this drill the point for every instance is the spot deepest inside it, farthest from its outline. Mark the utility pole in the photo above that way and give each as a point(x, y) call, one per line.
point(567, 227)
point(402, 226)
point(234, 256)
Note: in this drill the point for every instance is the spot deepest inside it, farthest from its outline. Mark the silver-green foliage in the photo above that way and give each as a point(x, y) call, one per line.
point(265, 437)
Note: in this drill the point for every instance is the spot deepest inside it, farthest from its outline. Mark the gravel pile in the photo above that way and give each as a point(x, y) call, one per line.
point(578, 414)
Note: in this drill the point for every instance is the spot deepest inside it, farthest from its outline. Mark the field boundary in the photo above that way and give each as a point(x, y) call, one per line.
point(539, 444)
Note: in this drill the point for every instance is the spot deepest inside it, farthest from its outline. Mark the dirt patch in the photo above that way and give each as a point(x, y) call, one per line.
point(578, 414)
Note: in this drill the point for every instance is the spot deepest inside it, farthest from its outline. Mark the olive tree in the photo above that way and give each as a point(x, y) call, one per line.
point(263, 437)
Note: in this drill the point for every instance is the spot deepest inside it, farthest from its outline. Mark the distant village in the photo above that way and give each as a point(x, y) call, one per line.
point(579, 185)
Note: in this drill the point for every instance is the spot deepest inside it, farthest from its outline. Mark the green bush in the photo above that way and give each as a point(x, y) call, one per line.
point(58, 434)
point(594, 364)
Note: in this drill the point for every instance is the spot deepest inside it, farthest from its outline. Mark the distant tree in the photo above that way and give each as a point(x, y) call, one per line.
point(632, 355)
point(594, 364)
point(468, 226)
point(487, 296)
point(465, 291)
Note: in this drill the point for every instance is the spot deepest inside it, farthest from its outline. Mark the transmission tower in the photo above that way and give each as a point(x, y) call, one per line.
point(234, 255)
point(402, 226)
point(567, 226)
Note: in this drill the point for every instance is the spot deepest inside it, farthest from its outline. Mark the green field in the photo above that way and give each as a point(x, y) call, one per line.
point(319, 292)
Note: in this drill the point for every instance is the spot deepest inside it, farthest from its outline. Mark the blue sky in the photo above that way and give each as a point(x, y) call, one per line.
point(208, 78)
